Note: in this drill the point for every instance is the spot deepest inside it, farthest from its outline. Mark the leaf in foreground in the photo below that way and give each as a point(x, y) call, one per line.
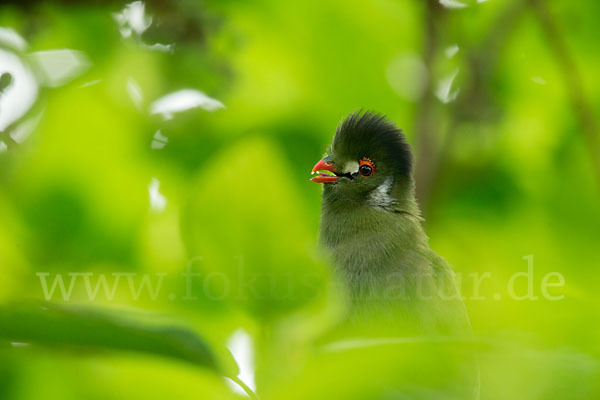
point(88, 329)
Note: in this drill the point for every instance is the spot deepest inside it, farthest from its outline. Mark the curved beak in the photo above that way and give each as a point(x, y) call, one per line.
point(325, 172)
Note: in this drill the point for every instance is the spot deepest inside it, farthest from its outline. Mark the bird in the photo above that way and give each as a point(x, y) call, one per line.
point(372, 229)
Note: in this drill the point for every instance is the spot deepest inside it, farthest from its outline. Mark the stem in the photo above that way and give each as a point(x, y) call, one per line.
point(425, 122)
point(244, 387)
point(472, 104)
point(572, 78)
point(7, 139)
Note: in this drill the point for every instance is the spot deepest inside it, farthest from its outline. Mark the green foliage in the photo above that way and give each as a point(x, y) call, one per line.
point(90, 330)
point(226, 237)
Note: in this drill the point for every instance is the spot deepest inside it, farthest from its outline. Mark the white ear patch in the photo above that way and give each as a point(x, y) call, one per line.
point(380, 197)
point(351, 167)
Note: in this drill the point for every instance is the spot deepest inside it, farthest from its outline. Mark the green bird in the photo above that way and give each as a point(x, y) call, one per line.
point(371, 226)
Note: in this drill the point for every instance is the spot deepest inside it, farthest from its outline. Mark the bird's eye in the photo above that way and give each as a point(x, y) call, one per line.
point(365, 170)
point(366, 167)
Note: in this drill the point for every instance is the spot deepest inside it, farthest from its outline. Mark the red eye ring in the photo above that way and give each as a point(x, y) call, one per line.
point(366, 167)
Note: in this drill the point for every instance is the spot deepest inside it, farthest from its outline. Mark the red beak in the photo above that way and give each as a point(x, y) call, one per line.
point(322, 177)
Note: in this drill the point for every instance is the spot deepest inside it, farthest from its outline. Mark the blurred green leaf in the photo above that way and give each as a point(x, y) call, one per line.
point(250, 247)
point(79, 327)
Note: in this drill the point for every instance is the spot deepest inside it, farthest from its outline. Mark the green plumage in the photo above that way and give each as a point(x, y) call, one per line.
point(371, 227)
point(385, 262)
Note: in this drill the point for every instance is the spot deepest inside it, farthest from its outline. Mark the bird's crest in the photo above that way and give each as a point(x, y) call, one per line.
point(374, 137)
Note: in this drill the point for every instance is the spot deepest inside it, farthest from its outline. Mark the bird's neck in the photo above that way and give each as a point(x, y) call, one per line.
point(363, 239)
point(383, 259)
point(373, 252)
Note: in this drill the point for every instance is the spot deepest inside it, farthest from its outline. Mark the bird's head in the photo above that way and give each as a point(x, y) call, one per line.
point(368, 163)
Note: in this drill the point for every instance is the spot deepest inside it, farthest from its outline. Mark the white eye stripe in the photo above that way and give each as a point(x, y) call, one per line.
point(351, 167)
